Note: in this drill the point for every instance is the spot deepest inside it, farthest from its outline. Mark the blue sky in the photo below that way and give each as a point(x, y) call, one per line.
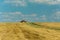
point(30, 10)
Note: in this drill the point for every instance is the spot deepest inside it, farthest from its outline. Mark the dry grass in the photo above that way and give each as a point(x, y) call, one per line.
point(26, 31)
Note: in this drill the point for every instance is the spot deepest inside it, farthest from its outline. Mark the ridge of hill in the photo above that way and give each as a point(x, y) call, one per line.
point(28, 31)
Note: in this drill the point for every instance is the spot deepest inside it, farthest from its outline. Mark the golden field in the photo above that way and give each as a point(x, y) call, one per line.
point(29, 31)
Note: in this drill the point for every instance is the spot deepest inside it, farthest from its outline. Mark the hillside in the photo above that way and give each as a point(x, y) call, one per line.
point(29, 31)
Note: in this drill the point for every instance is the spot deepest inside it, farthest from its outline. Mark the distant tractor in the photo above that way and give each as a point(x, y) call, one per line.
point(22, 21)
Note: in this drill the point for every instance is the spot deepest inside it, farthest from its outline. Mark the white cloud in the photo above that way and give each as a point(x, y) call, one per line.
point(46, 1)
point(17, 15)
point(7, 15)
point(25, 3)
point(12, 13)
point(43, 17)
point(29, 15)
point(56, 15)
point(16, 2)
point(34, 15)
point(36, 18)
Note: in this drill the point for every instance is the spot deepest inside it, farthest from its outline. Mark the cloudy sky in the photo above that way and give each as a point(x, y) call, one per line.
point(30, 10)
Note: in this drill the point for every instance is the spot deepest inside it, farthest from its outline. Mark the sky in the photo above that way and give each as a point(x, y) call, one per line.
point(30, 10)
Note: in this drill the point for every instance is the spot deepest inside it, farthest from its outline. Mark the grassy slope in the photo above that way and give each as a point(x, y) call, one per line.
point(28, 31)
